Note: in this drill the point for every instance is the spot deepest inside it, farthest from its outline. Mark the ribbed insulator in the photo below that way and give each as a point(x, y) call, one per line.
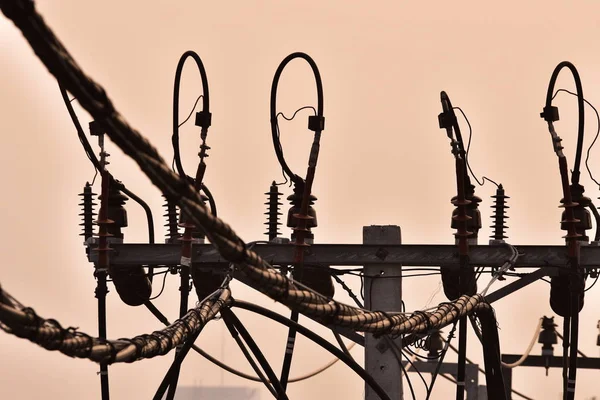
point(87, 207)
point(295, 200)
point(172, 219)
point(273, 212)
point(583, 218)
point(499, 216)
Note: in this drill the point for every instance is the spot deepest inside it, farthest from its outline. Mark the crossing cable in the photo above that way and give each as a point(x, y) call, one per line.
point(317, 339)
point(161, 317)
point(250, 267)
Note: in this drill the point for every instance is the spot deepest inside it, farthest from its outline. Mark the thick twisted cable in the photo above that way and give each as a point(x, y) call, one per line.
point(50, 335)
point(276, 141)
point(581, 111)
point(94, 99)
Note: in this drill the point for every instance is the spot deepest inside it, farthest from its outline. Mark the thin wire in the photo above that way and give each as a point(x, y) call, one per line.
point(415, 369)
point(437, 370)
point(163, 285)
point(191, 112)
point(524, 356)
point(184, 121)
point(484, 178)
point(587, 157)
point(592, 285)
point(279, 138)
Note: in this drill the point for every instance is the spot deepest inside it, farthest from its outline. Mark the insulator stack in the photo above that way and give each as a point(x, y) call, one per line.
point(273, 212)
point(582, 216)
point(499, 215)
point(131, 283)
point(116, 211)
point(295, 200)
point(172, 217)
point(460, 218)
point(87, 204)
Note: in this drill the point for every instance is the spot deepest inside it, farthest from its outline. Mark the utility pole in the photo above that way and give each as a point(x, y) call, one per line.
point(381, 361)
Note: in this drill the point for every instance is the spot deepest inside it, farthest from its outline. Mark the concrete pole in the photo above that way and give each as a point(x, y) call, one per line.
point(382, 295)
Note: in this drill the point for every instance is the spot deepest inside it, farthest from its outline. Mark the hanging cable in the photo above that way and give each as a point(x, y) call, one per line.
point(484, 178)
point(439, 364)
point(317, 339)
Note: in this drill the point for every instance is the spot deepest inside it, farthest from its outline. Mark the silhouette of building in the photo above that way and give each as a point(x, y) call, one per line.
point(216, 393)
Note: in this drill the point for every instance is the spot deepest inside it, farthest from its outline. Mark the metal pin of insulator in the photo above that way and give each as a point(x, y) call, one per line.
point(172, 217)
point(499, 216)
point(87, 204)
point(273, 212)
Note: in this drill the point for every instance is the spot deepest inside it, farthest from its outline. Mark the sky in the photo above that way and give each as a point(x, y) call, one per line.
point(383, 158)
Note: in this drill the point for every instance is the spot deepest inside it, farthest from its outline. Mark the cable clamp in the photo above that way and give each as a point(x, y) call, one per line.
point(316, 123)
point(96, 128)
point(203, 119)
point(550, 114)
point(446, 119)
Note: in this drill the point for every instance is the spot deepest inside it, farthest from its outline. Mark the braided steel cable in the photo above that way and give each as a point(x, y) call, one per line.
point(48, 333)
point(260, 274)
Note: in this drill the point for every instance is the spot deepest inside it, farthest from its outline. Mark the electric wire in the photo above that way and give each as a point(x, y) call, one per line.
point(256, 271)
point(162, 318)
point(483, 372)
point(533, 341)
point(484, 178)
point(315, 338)
point(191, 112)
point(587, 157)
point(439, 365)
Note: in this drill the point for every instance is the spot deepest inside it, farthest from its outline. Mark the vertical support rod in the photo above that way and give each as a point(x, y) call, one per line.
point(101, 291)
point(462, 358)
point(472, 382)
point(183, 307)
point(507, 375)
point(103, 261)
point(384, 295)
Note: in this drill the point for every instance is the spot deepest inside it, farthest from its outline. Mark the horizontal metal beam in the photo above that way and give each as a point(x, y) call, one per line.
point(356, 255)
point(553, 362)
point(446, 367)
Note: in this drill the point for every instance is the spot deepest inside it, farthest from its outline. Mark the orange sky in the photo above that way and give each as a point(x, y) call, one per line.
point(383, 158)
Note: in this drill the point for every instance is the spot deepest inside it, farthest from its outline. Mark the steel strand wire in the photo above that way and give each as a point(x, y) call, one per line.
point(51, 335)
point(93, 98)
